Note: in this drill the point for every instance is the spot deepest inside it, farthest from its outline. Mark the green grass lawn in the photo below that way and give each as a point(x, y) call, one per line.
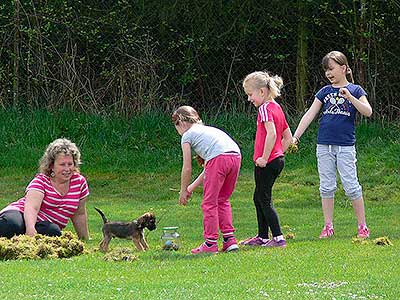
point(131, 166)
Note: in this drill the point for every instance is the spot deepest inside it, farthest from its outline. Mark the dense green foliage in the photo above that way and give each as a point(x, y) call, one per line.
point(135, 56)
point(131, 166)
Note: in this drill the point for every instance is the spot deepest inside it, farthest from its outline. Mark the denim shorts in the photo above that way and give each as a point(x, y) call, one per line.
point(343, 159)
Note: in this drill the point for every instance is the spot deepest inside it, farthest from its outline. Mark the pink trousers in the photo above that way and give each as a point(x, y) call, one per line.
point(221, 174)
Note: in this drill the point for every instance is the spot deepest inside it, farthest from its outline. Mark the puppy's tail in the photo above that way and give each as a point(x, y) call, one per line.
point(102, 215)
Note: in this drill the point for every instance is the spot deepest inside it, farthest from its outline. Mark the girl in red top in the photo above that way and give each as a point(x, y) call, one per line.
point(273, 137)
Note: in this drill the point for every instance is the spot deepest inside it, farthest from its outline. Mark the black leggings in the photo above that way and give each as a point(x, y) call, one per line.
point(266, 214)
point(12, 223)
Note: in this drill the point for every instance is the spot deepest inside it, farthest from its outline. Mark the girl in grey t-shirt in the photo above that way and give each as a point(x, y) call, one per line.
point(222, 161)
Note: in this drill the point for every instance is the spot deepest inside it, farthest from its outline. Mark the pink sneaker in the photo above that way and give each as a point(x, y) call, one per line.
point(327, 232)
point(363, 232)
point(203, 248)
point(230, 245)
point(254, 241)
point(275, 243)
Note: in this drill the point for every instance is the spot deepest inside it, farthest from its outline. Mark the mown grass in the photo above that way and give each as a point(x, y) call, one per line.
point(131, 166)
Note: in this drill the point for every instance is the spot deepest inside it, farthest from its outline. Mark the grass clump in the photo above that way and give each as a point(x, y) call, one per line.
point(40, 247)
point(120, 254)
point(380, 241)
point(289, 232)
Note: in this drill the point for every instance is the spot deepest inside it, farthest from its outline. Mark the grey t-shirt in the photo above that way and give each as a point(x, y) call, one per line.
point(208, 141)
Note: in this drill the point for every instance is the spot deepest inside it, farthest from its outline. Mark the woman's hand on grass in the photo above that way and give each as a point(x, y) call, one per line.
point(30, 231)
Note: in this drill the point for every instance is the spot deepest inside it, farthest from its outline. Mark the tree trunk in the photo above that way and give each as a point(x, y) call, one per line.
point(16, 54)
point(301, 62)
point(360, 26)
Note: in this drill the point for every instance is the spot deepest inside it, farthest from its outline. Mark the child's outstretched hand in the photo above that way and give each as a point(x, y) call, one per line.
point(184, 197)
point(183, 201)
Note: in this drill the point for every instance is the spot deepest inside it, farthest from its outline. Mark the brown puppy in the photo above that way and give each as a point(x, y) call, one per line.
point(128, 230)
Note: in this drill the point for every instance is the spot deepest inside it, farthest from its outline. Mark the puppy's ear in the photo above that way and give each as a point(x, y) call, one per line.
point(150, 215)
point(140, 220)
point(146, 219)
point(143, 219)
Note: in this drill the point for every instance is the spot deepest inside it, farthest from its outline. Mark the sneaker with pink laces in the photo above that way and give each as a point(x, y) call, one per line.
point(363, 232)
point(230, 245)
point(254, 241)
point(327, 232)
point(203, 248)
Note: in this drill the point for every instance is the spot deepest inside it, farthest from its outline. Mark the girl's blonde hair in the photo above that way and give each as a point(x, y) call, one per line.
point(186, 114)
point(341, 60)
point(259, 79)
point(59, 146)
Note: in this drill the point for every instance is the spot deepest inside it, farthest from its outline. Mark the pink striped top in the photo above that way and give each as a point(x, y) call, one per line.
point(55, 207)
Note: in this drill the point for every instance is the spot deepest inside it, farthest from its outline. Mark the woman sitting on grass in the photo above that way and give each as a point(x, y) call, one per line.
point(55, 195)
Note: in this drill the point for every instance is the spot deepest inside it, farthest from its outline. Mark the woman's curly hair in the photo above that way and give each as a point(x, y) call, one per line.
point(59, 146)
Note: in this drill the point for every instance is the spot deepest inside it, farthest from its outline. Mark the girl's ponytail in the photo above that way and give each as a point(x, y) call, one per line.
point(276, 84)
point(349, 73)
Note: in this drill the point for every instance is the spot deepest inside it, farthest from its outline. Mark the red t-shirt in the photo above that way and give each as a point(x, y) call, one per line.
point(269, 112)
point(55, 207)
